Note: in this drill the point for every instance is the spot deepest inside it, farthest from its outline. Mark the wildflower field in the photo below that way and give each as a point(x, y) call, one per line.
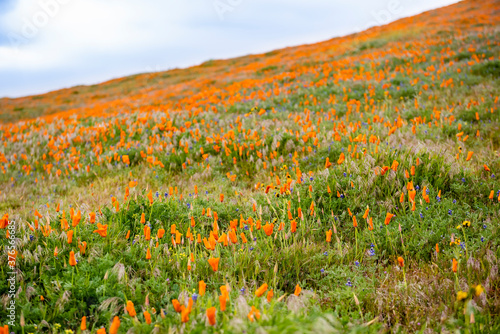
point(347, 186)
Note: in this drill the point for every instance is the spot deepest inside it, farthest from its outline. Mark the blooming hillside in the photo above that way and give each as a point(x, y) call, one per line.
point(349, 185)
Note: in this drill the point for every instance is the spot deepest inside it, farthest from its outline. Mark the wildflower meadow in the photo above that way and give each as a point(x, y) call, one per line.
point(351, 185)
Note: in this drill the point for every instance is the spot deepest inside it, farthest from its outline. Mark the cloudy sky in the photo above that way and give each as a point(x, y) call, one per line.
point(52, 44)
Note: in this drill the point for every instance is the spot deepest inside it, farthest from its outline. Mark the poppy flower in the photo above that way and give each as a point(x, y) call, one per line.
point(150, 197)
point(293, 227)
point(115, 325)
point(297, 291)
point(222, 302)
point(147, 232)
point(4, 221)
point(185, 315)
point(102, 230)
point(72, 260)
point(76, 218)
point(147, 317)
point(83, 324)
point(329, 236)
point(211, 312)
point(214, 263)
point(327, 163)
point(365, 215)
point(177, 305)
point(388, 218)
point(253, 314)
point(401, 261)
point(82, 247)
point(411, 195)
point(469, 155)
point(260, 291)
point(395, 165)
point(131, 309)
point(69, 234)
point(341, 158)
point(270, 294)
point(454, 266)
point(268, 228)
point(233, 237)
point(202, 288)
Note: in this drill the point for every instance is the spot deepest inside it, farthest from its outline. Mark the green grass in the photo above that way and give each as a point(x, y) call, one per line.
point(352, 284)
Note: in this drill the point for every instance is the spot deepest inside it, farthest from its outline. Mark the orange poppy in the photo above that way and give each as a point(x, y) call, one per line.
point(222, 302)
point(211, 313)
point(270, 294)
point(131, 309)
point(214, 263)
point(72, 259)
point(327, 163)
point(268, 228)
point(388, 218)
point(147, 317)
point(115, 325)
point(469, 155)
point(297, 291)
point(341, 158)
point(202, 288)
point(177, 305)
point(260, 291)
point(329, 236)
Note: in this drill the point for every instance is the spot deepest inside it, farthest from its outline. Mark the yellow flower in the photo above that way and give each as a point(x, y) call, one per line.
point(461, 295)
point(479, 289)
point(466, 223)
point(459, 227)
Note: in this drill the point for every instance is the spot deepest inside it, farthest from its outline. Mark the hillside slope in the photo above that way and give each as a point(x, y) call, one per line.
point(184, 89)
point(345, 186)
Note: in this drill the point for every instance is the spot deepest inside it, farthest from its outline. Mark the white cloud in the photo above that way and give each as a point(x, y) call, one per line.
point(87, 41)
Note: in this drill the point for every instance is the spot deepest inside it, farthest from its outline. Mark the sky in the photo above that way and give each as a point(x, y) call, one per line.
point(47, 45)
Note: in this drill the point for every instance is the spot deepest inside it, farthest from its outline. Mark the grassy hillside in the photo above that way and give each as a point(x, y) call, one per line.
point(346, 186)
